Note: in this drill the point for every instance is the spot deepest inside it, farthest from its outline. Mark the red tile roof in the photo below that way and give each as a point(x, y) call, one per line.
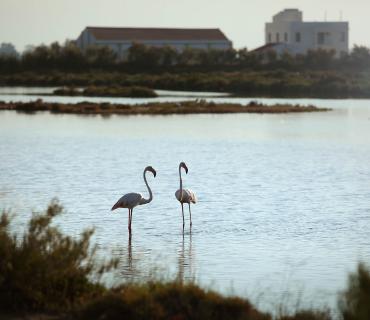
point(142, 34)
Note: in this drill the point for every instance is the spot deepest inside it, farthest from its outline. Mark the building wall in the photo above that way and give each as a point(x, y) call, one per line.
point(121, 46)
point(303, 36)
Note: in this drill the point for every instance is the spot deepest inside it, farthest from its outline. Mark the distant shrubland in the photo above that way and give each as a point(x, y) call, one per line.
point(43, 271)
point(103, 91)
point(141, 58)
point(243, 72)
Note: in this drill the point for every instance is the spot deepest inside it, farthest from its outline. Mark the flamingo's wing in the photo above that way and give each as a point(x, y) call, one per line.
point(129, 200)
point(178, 195)
point(191, 196)
point(187, 196)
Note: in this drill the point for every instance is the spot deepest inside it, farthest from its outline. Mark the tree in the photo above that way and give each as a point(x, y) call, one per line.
point(359, 58)
point(100, 57)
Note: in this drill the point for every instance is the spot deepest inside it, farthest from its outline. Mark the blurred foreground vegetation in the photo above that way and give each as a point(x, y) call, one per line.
point(46, 272)
point(243, 72)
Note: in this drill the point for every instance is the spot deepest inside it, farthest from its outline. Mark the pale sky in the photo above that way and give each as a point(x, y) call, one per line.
point(32, 22)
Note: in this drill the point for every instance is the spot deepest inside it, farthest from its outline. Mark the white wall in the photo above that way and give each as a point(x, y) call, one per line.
point(333, 34)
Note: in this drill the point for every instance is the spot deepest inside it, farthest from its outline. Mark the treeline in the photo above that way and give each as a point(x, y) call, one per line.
point(140, 58)
point(275, 83)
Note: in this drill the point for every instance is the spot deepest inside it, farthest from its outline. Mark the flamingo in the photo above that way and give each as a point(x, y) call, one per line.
point(131, 200)
point(185, 195)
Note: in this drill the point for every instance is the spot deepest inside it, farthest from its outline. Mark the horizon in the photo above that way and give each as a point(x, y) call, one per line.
point(242, 23)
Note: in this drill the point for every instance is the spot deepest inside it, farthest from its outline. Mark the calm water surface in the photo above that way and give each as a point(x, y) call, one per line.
point(284, 200)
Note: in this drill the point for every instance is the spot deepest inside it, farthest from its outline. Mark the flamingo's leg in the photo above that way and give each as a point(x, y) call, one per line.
point(191, 223)
point(183, 220)
point(129, 219)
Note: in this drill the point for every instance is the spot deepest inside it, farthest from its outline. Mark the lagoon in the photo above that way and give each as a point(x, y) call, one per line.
point(283, 212)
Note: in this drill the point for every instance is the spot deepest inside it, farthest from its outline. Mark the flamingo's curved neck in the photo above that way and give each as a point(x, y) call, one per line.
point(180, 182)
point(144, 201)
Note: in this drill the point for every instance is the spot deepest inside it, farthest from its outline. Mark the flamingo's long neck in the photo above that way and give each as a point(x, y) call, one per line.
point(180, 182)
point(144, 201)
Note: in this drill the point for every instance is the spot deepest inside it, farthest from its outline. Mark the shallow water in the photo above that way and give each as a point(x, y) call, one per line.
point(283, 211)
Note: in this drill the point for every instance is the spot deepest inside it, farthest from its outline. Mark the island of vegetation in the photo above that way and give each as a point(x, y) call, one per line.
point(104, 91)
point(164, 108)
point(45, 274)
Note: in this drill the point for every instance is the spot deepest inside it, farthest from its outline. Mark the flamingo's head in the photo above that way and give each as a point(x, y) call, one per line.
point(152, 170)
point(183, 165)
point(116, 206)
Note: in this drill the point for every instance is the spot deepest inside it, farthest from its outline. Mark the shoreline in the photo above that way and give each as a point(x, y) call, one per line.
point(164, 108)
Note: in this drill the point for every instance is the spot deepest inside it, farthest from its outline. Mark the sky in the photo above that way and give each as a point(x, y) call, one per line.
point(32, 22)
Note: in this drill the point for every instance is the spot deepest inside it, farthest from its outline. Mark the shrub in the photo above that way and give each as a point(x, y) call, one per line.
point(44, 269)
point(172, 300)
point(308, 315)
point(354, 303)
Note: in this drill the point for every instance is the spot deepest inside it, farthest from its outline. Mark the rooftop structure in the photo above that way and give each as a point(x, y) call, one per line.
point(300, 36)
point(121, 39)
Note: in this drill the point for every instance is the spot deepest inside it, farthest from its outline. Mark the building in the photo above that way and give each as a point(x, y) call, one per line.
point(298, 36)
point(8, 50)
point(121, 39)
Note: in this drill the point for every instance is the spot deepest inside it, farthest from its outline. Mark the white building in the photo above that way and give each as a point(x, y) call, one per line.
point(299, 36)
point(121, 39)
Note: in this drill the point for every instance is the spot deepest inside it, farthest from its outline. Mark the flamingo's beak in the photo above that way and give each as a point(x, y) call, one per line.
point(116, 206)
point(152, 170)
point(185, 167)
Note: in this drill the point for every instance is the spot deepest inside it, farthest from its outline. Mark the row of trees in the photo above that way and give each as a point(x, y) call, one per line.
point(68, 57)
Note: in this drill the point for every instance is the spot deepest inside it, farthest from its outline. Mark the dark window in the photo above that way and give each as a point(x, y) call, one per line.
point(286, 37)
point(277, 37)
point(298, 37)
point(270, 38)
point(321, 38)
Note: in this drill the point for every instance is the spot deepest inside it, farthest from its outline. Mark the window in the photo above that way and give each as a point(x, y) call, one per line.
point(270, 38)
point(286, 37)
point(321, 38)
point(277, 37)
point(298, 37)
